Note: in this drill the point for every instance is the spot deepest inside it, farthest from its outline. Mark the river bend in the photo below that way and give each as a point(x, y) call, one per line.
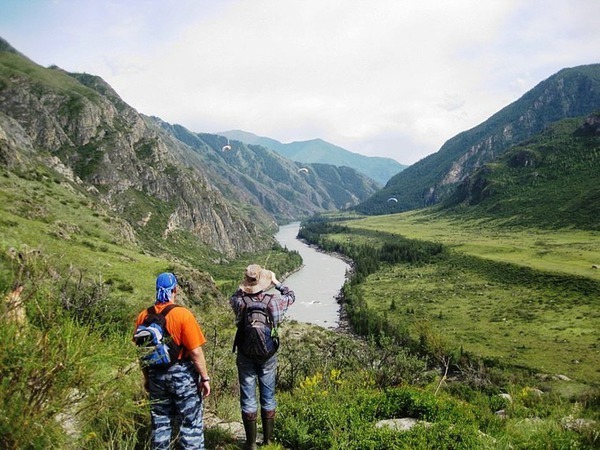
point(316, 284)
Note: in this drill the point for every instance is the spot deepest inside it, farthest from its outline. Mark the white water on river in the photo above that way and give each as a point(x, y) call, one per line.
point(316, 284)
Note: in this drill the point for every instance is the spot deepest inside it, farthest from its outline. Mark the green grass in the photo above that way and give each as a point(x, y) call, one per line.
point(516, 324)
point(568, 251)
point(71, 231)
point(87, 274)
point(528, 298)
point(85, 279)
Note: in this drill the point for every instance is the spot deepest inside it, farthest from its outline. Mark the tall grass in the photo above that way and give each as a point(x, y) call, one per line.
point(68, 379)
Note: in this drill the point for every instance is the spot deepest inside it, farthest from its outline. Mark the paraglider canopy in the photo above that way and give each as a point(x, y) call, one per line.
point(303, 169)
point(392, 199)
point(226, 146)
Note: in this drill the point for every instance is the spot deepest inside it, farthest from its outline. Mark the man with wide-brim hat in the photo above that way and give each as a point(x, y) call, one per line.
point(257, 279)
point(253, 305)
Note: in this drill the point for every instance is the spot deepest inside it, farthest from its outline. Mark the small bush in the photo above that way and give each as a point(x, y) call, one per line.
point(318, 419)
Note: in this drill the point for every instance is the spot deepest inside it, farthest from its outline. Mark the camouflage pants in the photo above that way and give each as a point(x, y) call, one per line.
point(176, 400)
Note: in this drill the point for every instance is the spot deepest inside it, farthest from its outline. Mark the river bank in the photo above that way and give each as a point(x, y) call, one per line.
point(317, 283)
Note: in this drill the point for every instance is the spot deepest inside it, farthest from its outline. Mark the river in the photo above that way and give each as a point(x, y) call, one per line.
point(316, 284)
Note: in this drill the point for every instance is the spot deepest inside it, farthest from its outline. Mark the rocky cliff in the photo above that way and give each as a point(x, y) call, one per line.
point(140, 168)
point(79, 123)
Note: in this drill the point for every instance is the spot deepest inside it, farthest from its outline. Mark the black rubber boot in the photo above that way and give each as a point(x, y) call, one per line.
point(268, 421)
point(250, 429)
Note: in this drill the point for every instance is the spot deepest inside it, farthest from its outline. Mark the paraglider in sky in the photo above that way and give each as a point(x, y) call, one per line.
point(392, 199)
point(303, 169)
point(226, 147)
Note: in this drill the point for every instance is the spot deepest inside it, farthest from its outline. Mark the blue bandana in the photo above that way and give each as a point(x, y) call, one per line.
point(165, 283)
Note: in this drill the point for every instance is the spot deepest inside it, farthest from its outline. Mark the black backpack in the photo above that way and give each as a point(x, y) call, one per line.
point(157, 348)
point(256, 335)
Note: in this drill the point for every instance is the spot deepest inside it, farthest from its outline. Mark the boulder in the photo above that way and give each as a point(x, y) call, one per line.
point(403, 424)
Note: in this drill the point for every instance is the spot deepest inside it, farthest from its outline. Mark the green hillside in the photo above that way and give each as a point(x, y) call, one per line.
point(506, 310)
point(550, 180)
point(499, 286)
point(477, 327)
point(66, 355)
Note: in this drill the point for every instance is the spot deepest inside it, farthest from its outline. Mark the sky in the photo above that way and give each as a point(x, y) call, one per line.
point(384, 78)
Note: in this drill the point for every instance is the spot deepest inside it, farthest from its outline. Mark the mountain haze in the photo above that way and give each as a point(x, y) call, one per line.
point(571, 92)
point(377, 168)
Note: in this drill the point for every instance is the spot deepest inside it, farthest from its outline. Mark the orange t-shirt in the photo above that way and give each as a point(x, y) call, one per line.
point(181, 324)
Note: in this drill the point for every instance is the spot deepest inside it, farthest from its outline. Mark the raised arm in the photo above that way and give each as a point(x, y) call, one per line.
point(281, 303)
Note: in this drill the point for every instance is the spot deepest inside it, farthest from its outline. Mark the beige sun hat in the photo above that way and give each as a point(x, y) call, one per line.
point(256, 279)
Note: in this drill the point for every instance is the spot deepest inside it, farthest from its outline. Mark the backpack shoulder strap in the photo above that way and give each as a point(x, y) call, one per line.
point(246, 299)
point(268, 302)
point(166, 311)
point(174, 348)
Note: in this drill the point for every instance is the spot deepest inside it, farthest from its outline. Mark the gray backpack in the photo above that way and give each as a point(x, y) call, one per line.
point(256, 335)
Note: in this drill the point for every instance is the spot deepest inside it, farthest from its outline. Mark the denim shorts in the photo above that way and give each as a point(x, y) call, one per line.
point(252, 373)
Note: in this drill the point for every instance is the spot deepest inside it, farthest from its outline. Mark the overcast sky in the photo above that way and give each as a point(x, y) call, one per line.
point(393, 78)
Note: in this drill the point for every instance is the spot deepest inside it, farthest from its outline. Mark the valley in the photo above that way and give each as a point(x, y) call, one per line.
point(569, 251)
point(476, 313)
point(523, 297)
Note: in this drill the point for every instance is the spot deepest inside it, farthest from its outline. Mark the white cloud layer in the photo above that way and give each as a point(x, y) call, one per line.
point(378, 77)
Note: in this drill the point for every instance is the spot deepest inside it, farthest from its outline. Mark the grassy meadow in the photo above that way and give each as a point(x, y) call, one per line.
point(568, 251)
point(70, 377)
point(529, 298)
point(62, 226)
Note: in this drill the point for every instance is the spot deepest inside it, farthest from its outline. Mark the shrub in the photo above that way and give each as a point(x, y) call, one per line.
point(314, 417)
point(65, 384)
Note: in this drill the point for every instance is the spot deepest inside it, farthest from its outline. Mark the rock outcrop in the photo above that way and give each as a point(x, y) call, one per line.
point(142, 168)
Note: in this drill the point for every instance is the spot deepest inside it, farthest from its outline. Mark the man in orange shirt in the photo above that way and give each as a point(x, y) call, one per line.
point(176, 391)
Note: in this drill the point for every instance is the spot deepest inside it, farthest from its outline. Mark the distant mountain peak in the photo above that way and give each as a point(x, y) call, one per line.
point(318, 150)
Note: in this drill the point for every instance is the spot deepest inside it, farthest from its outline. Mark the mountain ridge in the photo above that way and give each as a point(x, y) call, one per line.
point(549, 180)
point(77, 125)
point(318, 150)
point(571, 92)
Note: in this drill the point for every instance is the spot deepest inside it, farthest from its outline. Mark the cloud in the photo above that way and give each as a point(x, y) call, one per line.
point(288, 68)
point(372, 76)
